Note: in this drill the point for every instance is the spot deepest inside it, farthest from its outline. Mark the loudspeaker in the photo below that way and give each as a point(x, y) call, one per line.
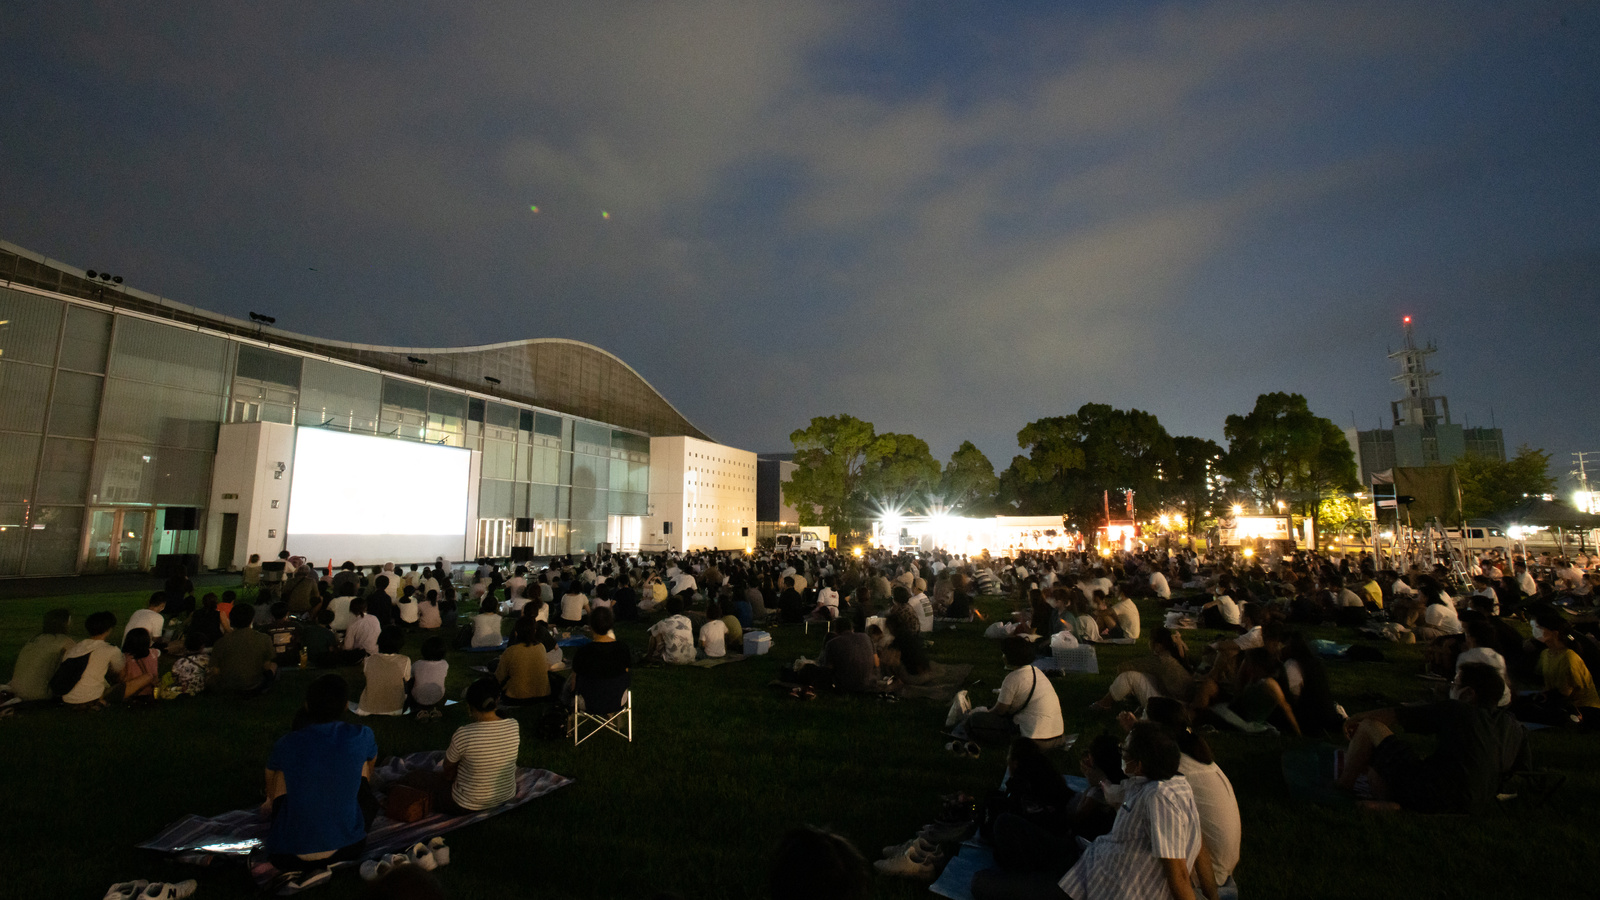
point(521, 554)
point(182, 518)
point(666, 527)
point(524, 525)
point(170, 564)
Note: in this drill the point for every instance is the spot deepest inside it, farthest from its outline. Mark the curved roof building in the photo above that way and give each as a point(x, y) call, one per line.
point(128, 423)
point(554, 373)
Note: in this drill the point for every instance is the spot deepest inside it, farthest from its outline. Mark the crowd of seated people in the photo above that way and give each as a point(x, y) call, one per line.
point(1161, 817)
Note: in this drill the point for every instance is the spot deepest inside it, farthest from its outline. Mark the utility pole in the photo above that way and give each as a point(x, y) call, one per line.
point(1582, 473)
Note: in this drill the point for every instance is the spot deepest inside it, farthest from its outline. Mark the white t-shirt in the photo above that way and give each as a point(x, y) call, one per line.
point(1250, 640)
point(103, 659)
point(572, 606)
point(713, 637)
point(828, 597)
point(428, 688)
point(1158, 583)
point(1487, 657)
point(408, 609)
point(486, 630)
point(341, 613)
point(515, 586)
point(363, 634)
point(1443, 617)
point(1088, 629)
point(1041, 718)
point(149, 620)
point(1228, 609)
point(385, 692)
point(1127, 617)
point(1348, 597)
point(1220, 829)
point(1295, 676)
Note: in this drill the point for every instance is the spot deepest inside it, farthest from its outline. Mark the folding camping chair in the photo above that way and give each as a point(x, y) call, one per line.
point(604, 704)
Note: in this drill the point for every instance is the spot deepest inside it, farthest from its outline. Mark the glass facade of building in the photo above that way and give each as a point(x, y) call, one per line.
point(109, 417)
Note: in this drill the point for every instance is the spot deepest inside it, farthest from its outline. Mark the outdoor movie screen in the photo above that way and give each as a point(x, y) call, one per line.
point(373, 499)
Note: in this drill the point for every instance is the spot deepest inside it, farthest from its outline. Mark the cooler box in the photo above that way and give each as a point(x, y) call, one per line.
point(756, 643)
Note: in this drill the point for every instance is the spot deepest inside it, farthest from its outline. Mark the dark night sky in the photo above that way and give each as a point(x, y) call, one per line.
point(946, 218)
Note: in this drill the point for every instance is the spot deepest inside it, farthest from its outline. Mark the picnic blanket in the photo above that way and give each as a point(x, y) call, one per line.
point(712, 662)
point(942, 683)
point(241, 834)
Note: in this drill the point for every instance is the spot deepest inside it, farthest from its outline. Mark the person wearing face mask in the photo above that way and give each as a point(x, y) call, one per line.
point(1479, 744)
point(1569, 694)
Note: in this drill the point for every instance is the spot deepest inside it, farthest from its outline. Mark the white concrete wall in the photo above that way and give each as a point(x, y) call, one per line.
point(706, 490)
point(246, 480)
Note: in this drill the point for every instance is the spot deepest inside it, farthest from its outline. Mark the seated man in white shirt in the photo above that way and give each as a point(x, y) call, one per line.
point(1127, 614)
point(1026, 705)
point(1158, 585)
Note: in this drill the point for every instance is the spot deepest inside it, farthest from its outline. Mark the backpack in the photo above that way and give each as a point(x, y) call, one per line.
point(68, 674)
point(553, 725)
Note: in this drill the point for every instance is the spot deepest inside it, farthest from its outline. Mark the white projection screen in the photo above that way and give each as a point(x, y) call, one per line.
point(374, 499)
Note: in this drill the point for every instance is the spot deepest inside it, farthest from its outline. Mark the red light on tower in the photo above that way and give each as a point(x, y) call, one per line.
point(1406, 320)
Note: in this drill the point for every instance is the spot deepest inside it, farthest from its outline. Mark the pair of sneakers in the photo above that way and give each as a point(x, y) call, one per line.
point(426, 856)
point(965, 749)
point(917, 858)
point(143, 889)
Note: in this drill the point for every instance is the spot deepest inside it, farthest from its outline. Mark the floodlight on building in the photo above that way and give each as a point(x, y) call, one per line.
point(416, 360)
point(491, 379)
point(1238, 509)
point(262, 319)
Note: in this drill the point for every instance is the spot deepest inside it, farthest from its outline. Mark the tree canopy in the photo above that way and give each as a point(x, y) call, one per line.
point(1073, 460)
point(1490, 486)
point(845, 468)
point(1283, 452)
point(968, 484)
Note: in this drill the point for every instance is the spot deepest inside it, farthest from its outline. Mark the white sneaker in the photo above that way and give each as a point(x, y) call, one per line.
point(126, 890)
point(906, 867)
point(919, 843)
point(420, 855)
point(373, 869)
point(441, 853)
point(305, 880)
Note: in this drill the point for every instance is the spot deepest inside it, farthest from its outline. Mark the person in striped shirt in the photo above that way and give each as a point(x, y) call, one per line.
point(1151, 851)
point(481, 762)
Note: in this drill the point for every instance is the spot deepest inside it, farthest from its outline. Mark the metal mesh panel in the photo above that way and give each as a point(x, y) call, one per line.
point(75, 411)
point(26, 390)
point(162, 354)
point(32, 325)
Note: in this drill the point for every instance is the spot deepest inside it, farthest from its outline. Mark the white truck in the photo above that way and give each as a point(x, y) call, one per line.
point(812, 538)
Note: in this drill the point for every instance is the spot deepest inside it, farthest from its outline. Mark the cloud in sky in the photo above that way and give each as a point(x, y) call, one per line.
point(948, 219)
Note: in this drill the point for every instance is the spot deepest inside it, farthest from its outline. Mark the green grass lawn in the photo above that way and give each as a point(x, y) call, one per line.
point(719, 768)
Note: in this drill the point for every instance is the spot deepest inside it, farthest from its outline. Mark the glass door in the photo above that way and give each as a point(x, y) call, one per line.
point(117, 539)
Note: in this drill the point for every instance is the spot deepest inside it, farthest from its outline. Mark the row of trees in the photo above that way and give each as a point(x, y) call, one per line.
point(1280, 456)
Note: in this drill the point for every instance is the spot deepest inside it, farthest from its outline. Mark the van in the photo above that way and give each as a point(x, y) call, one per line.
point(1481, 539)
point(805, 540)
